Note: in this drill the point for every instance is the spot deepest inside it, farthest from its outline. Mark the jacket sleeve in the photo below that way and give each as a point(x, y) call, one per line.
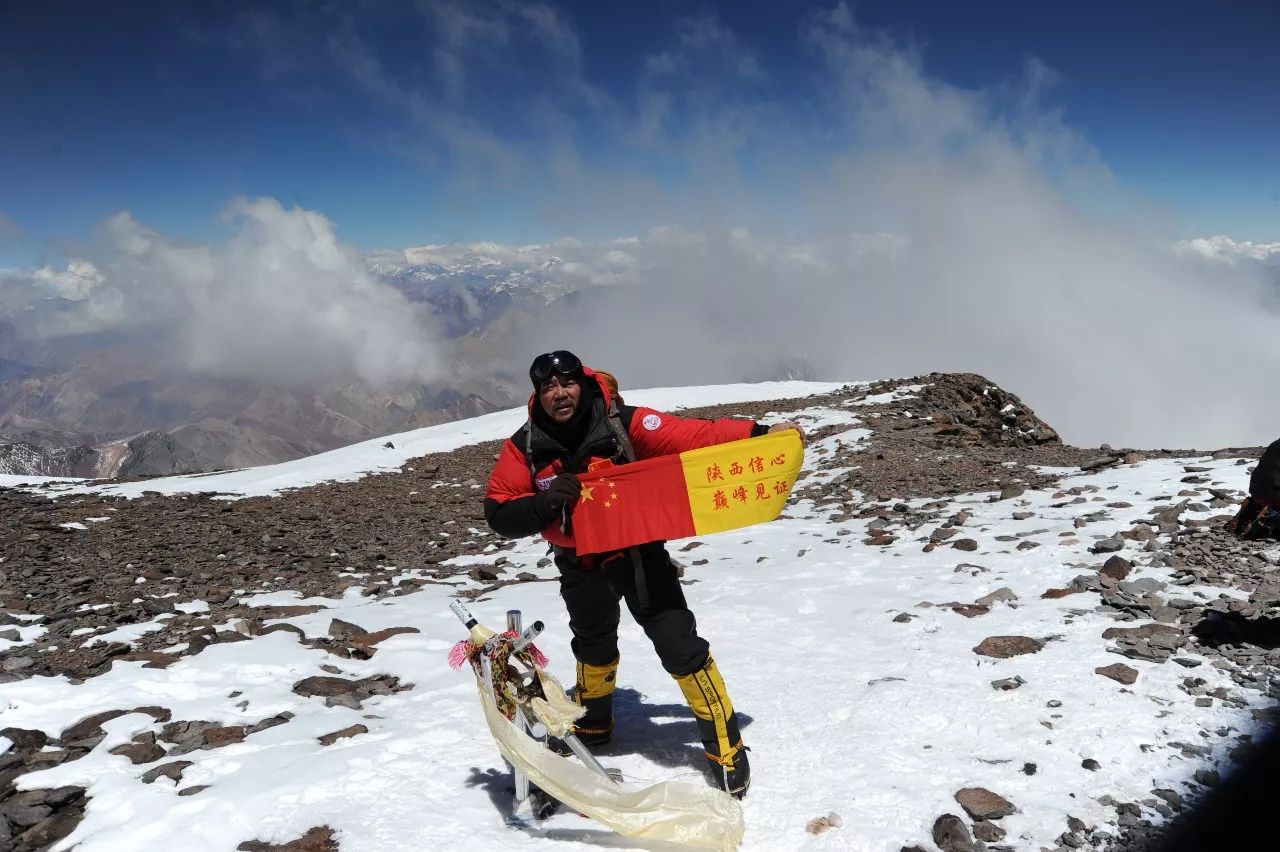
point(511, 506)
point(656, 433)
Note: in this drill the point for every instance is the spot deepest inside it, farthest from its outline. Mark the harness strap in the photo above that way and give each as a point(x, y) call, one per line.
point(614, 419)
point(528, 451)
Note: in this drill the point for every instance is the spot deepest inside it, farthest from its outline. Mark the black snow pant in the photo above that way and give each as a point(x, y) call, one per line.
point(592, 587)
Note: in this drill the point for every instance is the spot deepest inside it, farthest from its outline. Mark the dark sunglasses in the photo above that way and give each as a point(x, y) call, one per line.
point(560, 362)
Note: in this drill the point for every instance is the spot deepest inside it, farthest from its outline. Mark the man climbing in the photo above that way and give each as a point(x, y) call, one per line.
point(575, 424)
point(1259, 515)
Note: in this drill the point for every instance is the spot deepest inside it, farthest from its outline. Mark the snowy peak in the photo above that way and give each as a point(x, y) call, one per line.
point(426, 272)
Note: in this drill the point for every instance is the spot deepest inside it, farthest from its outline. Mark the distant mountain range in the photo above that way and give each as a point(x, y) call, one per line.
point(109, 406)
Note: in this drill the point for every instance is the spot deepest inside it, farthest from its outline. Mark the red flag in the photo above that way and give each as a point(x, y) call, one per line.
point(632, 504)
point(697, 492)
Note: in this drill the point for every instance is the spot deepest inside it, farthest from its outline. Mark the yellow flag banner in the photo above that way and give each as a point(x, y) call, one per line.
point(698, 492)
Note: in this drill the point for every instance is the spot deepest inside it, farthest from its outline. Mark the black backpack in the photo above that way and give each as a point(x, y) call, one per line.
point(1265, 482)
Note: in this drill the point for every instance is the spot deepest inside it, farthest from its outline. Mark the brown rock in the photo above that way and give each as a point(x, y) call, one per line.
point(186, 736)
point(24, 739)
point(318, 839)
point(981, 803)
point(1003, 647)
point(278, 628)
point(344, 630)
point(142, 752)
point(1170, 516)
point(818, 825)
point(160, 714)
point(951, 834)
point(965, 544)
point(151, 659)
point(219, 737)
point(988, 832)
point(369, 639)
point(969, 610)
point(1003, 594)
point(353, 730)
point(1107, 545)
point(49, 831)
point(269, 722)
point(26, 809)
point(1053, 594)
point(325, 687)
point(171, 770)
point(1117, 568)
point(1145, 631)
point(90, 727)
point(1118, 672)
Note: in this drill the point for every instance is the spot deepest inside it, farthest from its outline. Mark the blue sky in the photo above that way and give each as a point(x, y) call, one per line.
point(409, 123)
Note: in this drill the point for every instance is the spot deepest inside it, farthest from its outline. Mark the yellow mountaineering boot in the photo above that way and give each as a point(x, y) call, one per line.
point(594, 691)
point(705, 691)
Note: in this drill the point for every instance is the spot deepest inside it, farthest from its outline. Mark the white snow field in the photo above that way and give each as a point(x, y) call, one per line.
point(846, 711)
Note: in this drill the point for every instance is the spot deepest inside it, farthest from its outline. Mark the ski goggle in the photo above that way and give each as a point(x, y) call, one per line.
point(560, 362)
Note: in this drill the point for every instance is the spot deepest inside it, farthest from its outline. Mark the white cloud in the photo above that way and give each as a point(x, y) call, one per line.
point(75, 282)
point(282, 301)
point(927, 228)
point(1226, 249)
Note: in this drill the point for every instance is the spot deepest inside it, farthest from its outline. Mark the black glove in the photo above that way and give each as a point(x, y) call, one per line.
point(562, 492)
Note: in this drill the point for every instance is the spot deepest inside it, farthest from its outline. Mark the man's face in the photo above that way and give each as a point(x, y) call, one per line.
point(559, 396)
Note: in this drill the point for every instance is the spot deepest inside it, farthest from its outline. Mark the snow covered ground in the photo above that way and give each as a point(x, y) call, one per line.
point(847, 711)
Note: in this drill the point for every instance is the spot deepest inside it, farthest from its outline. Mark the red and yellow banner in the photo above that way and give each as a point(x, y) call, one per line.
point(699, 492)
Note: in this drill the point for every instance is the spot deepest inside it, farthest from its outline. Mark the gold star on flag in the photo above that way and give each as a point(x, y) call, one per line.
point(586, 492)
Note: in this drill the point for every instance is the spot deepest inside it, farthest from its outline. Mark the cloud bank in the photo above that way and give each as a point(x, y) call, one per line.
point(932, 228)
point(281, 301)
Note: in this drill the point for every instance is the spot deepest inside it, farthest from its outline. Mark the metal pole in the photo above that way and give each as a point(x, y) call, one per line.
point(585, 755)
point(527, 637)
point(522, 780)
point(570, 739)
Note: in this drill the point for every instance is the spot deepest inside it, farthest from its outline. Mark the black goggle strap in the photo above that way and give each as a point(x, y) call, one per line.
point(559, 362)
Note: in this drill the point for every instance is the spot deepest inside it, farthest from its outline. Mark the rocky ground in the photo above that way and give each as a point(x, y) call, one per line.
point(61, 573)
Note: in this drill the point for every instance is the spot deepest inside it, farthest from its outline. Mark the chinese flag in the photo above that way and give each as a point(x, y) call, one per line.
point(699, 492)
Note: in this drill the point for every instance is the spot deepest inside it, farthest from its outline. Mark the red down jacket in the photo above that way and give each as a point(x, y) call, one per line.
point(531, 458)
